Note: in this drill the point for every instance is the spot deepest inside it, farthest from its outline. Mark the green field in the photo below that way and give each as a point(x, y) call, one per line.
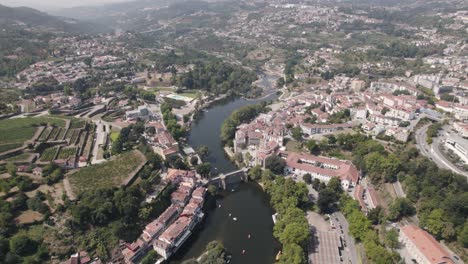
point(19, 157)
point(6, 147)
point(77, 123)
point(19, 130)
point(114, 135)
point(48, 154)
point(105, 175)
point(66, 153)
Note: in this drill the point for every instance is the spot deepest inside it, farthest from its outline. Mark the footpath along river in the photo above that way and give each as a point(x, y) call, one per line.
point(248, 203)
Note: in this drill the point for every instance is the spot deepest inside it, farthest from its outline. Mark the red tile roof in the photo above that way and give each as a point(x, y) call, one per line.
point(345, 170)
point(426, 244)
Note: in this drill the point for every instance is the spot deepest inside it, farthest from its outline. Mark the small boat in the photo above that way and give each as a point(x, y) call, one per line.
point(219, 206)
point(230, 215)
point(233, 190)
point(248, 236)
point(278, 256)
point(234, 218)
point(243, 251)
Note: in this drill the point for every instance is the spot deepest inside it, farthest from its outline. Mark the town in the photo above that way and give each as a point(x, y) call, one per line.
point(235, 132)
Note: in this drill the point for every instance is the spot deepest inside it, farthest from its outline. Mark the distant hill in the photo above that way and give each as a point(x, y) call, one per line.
point(35, 18)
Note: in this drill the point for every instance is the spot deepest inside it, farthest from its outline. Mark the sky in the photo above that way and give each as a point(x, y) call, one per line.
point(55, 4)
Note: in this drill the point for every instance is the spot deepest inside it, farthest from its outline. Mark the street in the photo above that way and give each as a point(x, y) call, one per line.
point(433, 152)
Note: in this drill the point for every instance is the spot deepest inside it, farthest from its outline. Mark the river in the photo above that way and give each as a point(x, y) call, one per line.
point(248, 203)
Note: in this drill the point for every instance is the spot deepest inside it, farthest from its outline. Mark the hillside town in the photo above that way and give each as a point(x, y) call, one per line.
point(243, 132)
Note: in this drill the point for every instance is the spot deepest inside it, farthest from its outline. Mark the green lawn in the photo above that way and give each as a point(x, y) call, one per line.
point(19, 130)
point(190, 95)
point(106, 175)
point(23, 156)
point(6, 147)
point(114, 135)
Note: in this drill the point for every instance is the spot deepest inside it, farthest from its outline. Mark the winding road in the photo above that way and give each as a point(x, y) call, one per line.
point(433, 152)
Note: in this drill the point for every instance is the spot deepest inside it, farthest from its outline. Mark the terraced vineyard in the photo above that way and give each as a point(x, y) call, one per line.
point(66, 153)
point(74, 137)
point(45, 134)
point(86, 149)
point(61, 133)
point(48, 154)
point(76, 123)
point(109, 174)
point(54, 133)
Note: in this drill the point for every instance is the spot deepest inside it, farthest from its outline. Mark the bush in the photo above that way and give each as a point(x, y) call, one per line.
point(22, 245)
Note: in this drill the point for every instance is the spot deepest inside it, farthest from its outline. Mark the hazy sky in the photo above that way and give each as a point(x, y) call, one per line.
point(53, 4)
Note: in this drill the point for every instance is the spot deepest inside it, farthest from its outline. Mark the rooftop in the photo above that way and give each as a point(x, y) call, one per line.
point(426, 244)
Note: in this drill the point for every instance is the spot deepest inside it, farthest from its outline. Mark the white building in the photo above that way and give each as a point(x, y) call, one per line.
point(459, 146)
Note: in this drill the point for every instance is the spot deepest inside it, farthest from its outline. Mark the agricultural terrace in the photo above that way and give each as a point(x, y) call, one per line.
point(109, 174)
point(14, 132)
point(48, 154)
point(77, 123)
point(66, 153)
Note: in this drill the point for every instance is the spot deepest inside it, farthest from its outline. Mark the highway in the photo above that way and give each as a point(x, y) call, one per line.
point(433, 152)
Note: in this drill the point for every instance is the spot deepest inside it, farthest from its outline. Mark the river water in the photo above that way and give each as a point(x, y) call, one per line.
point(248, 203)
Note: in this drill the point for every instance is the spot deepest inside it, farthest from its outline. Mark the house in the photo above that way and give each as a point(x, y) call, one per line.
point(311, 129)
point(37, 171)
point(358, 85)
point(371, 197)
point(444, 106)
point(461, 128)
point(141, 112)
point(359, 196)
point(422, 247)
point(461, 112)
point(459, 146)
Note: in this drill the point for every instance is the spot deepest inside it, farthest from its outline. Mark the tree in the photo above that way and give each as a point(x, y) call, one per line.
point(255, 173)
point(391, 238)
point(295, 233)
point(296, 133)
point(435, 223)
point(203, 151)
point(326, 200)
point(276, 164)
point(400, 208)
point(316, 184)
point(88, 61)
point(292, 254)
point(67, 90)
point(150, 258)
point(4, 248)
point(22, 245)
point(463, 236)
point(376, 215)
point(194, 160)
point(204, 169)
point(12, 169)
point(307, 178)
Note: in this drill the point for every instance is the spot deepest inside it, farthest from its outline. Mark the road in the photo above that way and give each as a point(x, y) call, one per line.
point(343, 229)
point(433, 152)
point(398, 190)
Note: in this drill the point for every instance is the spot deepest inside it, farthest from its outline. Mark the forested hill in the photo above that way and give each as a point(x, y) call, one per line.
point(34, 18)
